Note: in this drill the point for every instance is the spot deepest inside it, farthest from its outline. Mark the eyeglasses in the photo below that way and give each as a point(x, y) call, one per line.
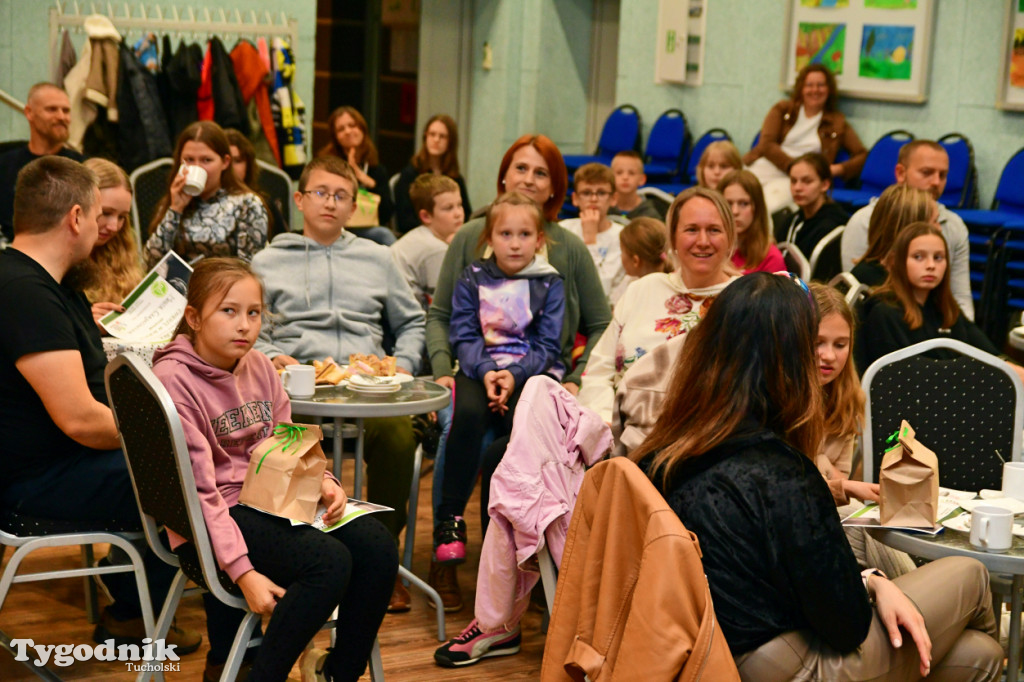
point(322, 196)
point(594, 194)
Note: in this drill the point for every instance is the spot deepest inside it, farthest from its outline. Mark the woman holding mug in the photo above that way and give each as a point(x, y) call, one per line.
point(207, 211)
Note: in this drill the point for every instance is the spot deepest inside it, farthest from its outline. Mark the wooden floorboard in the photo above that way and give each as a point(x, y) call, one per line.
point(53, 612)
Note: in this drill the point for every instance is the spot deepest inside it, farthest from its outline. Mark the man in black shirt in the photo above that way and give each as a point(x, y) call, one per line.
point(58, 440)
point(48, 112)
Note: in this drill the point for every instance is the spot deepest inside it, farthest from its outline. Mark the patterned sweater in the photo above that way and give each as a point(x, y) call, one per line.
point(654, 309)
point(224, 225)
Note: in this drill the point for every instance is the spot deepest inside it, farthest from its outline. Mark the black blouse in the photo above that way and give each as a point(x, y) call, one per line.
point(883, 331)
point(774, 551)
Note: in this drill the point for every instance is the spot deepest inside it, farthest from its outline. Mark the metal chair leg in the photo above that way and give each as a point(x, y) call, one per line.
point(414, 499)
point(92, 611)
point(376, 667)
point(414, 581)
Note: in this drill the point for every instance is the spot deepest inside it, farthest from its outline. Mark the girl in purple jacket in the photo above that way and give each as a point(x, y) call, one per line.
point(229, 398)
point(506, 327)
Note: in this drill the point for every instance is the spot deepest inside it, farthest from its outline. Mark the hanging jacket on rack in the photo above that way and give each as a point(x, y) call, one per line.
point(252, 80)
point(142, 128)
point(204, 96)
point(103, 38)
point(288, 110)
point(101, 83)
point(228, 104)
point(145, 52)
point(183, 79)
point(64, 59)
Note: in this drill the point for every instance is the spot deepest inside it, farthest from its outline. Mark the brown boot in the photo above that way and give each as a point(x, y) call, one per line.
point(400, 599)
point(443, 579)
point(133, 630)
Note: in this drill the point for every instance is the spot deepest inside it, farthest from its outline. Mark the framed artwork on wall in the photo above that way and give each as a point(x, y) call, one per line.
point(1011, 63)
point(877, 49)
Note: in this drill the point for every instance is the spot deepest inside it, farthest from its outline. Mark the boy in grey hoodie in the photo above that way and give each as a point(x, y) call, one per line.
point(330, 293)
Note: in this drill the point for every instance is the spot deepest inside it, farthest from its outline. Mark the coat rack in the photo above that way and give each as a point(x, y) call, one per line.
point(71, 15)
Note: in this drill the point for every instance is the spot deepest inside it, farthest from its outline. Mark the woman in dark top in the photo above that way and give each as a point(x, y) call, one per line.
point(915, 304)
point(899, 206)
point(730, 452)
point(817, 215)
point(439, 154)
point(351, 141)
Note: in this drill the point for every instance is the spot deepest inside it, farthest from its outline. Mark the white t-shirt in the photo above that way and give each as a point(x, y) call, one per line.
point(607, 253)
point(419, 254)
point(801, 139)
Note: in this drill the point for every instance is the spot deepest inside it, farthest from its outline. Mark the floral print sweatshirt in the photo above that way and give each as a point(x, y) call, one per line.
point(654, 309)
point(224, 225)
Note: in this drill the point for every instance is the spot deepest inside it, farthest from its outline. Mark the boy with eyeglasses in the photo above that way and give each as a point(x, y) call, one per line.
point(593, 193)
point(330, 293)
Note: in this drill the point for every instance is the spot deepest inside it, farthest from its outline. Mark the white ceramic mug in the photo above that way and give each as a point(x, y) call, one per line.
point(991, 528)
point(195, 179)
point(1013, 480)
point(299, 381)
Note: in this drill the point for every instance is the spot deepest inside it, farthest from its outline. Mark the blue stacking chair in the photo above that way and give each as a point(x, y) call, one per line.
point(877, 173)
point(961, 182)
point(667, 146)
point(1003, 291)
point(621, 131)
point(1008, 202)
point(713, 135)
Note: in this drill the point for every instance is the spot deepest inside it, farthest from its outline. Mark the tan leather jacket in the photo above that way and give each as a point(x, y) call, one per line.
point(834, 131)
point(632, 601)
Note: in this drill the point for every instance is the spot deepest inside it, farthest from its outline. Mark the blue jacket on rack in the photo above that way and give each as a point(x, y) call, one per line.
point(503, 322)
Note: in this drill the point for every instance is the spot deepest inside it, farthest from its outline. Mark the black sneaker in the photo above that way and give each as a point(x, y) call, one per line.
point(450, 541)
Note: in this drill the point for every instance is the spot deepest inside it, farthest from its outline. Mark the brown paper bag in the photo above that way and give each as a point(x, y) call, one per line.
point(367, 205)
point(909, 482)
point(286, 472)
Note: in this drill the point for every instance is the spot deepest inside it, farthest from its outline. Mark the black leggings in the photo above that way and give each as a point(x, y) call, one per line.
point(317, 571)
point(470, 420)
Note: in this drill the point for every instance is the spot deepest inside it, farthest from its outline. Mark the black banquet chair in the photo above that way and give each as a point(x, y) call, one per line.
point(969, 409)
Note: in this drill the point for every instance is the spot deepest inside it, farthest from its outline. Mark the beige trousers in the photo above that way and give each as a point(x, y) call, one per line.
point(953, 596)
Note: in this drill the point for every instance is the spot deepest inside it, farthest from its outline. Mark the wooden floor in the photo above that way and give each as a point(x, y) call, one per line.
point(53, 612)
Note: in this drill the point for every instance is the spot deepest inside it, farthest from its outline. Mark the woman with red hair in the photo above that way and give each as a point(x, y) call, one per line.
point(533, 166)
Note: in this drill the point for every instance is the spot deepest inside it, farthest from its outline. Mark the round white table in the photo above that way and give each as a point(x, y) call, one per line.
point(955, 543)
point(339, 403)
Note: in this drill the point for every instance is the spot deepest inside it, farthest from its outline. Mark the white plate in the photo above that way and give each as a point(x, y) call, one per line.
point(1014, 505)
point(383, 390)
point(962, 523)
point(959, 494)
point(363, 380)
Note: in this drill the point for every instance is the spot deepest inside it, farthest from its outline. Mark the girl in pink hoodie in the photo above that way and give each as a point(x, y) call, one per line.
point(229, 398)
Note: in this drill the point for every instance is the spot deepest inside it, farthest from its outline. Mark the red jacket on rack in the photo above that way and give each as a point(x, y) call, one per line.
point(253, 75)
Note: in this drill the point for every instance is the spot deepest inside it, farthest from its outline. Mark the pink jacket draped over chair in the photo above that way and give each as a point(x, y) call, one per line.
point(533, 492)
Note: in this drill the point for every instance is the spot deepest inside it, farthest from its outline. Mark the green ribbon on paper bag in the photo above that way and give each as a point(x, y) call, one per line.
point(290, 435)
point(895, 437)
